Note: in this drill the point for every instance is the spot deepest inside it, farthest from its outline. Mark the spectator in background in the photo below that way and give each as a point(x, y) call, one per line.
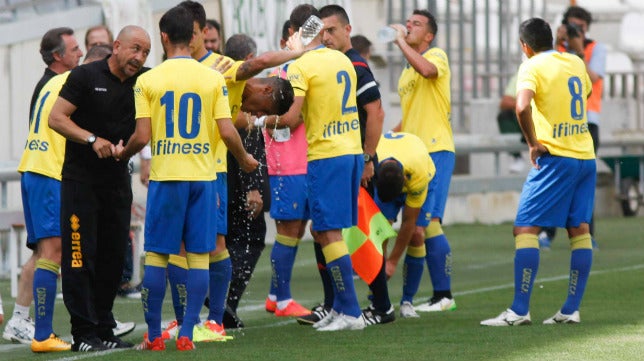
point(362, 46)
point(98, 35)
point(212, 37)
point(507, 121)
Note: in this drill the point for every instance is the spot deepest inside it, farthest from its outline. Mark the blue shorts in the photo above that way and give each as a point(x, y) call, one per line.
point(333, 185)
point(288, 197)
point(179, 211)
point(391, 209)
point(41, 206)
point(222, 203)
point(439, 185)
point(560, 194)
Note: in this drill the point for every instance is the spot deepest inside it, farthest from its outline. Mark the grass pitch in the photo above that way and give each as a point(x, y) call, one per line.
point(612, 315)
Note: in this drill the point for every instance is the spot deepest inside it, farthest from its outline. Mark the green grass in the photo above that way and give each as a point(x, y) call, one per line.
point(612, 325)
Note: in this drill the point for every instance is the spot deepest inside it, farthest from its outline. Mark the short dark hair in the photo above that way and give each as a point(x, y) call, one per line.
point(285, 27)
point(177, 23)
point(98, 52)
point(212, 23)
point(239, 46)
point(579, 13)
point(337, 10)
point(197, 10)
point(431, 20)
point(282, 94)
point(389, 181)
point(98, 27)
point(360, 43)
point(536, 34)
point(300, 14)
point(52, 42)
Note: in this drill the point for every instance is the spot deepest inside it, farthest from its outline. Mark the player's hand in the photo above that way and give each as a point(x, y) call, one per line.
point(390, 268)
point(294, 42)
point(367, 174)
point(401, 33)
point(254, 203)
point(562, 35)
point(249, 163)
point(103, 148)
point(535, 152)
point(118, 150)
point(222, 64)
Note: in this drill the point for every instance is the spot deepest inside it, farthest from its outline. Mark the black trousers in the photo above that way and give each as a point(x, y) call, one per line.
point(95, 223)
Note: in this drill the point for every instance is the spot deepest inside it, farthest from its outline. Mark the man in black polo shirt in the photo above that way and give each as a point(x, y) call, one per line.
point(95, 109)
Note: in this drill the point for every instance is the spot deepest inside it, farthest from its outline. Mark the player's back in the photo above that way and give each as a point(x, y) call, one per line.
point(45, 149)
point(183, 99)
point(410, 151)
point(327, 79)
point(561, 86)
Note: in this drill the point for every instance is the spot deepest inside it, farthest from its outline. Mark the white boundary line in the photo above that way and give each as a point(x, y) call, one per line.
point(81, 356)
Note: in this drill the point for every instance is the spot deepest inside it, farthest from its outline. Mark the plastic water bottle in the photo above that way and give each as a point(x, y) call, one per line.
point(310, 29)
point(386, 34)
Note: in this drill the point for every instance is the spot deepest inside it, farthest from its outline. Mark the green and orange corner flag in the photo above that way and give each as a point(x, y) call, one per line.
point(365, 240)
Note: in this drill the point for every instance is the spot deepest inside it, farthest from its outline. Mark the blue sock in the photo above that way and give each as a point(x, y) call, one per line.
point(220, 274)
point(439, 262)
point(282, 259)
point(197, 288)
point(341, 274)
point(152, 294)
point(327, 285)
point(178, 276)
point(526, 265)
point(44, 290)
point(412, 274)
point(580, 263)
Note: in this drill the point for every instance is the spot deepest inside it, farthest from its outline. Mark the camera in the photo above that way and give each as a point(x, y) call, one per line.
point(573, 31)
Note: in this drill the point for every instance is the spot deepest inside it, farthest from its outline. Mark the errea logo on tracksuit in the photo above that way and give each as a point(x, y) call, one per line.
point(77, 254)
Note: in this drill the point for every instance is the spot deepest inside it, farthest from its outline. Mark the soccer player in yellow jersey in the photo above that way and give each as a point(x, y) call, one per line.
point(424, 90)
point(182, 107)
point(325, 98)
point(404, 173)
point(236, 75)
point(41, 165)
point(552, 92)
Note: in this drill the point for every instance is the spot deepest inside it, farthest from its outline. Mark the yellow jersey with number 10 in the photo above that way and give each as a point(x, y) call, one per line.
point(184, 100)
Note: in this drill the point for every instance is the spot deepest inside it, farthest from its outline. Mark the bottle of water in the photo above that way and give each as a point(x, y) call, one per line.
point(310, 29)
point(386, 34)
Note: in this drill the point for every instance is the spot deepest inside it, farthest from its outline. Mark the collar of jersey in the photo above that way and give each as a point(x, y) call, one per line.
point(205, 56)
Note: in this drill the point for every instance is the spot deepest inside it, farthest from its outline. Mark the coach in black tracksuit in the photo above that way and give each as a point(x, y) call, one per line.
point(94, 111)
